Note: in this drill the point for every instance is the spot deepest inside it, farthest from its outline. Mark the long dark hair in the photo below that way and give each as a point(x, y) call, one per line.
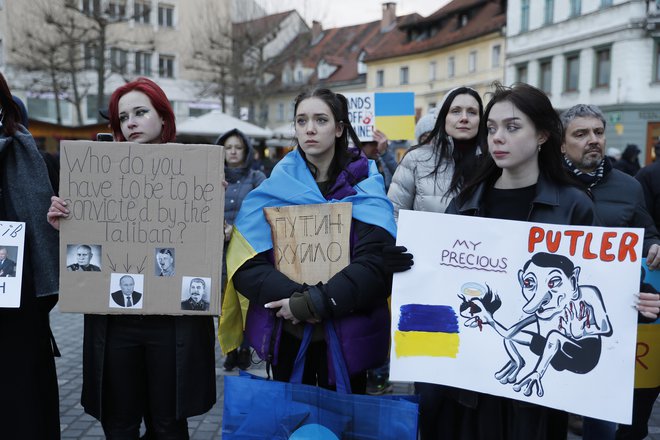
point(464, 159)
point(11, 114)
point(339, 107)
point(538, 108)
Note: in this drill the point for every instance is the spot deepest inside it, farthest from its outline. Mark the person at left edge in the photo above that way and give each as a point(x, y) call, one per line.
point(174, 354)
point(29, 402)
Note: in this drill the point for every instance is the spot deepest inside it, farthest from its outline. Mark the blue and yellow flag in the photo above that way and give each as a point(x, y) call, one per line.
point(291, 183)
point(427, 330)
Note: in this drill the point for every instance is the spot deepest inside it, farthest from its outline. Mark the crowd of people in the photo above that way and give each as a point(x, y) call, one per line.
point(515, 159)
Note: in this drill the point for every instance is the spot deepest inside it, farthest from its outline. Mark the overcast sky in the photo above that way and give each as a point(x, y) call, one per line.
point(337, 13)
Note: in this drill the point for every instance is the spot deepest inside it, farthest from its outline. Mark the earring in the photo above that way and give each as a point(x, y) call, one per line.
point(539, 147)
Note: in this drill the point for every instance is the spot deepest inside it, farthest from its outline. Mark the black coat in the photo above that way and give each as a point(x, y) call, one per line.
point(8, 268)
point(649, 177)
point(562, 205)
point(619, 202)
point(195, 364)
point(362, 285)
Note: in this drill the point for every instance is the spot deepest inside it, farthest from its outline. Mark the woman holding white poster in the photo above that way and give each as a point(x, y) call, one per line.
point(29, 396)
point(323, 169)
point(428, 177)
point(156, 367)
point(523, 179)
point(431, 173)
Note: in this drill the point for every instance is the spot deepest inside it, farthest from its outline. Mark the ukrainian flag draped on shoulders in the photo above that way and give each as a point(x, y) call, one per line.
point(291, 183)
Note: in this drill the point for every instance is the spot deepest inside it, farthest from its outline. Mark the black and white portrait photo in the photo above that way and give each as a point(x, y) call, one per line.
point(164, 262)
point(8, 256)
point(126, 290)
point(195, 293)
point(83, 258)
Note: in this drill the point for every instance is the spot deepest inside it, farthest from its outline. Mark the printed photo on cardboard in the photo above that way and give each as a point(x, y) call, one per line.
point(164, 262)
point(194, 293)
point(126, 290)
point(83, 257)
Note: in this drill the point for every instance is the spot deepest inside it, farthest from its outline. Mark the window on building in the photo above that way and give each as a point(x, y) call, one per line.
point(45, 108)
point(93, 106)
point(472, 61)
point(299, 75)
point(141, 12)
point(91, 7)
point(571, 80)
point(433, 71)
point(90, 56)
point(380, 78)
point(280, 112)
point(451, 67)
point(549, 12)
point(463, 20)
point(166, 66)
point(603, 67)
point(605, 3)
point(117, 9)
point(521, 73)
point(495, 55)
point(165, 15)
point(575, 8)
point(656, 66)
point(362, 66)
point(403, 75)
point(143, 63)
point(118, 60)
point(524, 15)
point(545, 76)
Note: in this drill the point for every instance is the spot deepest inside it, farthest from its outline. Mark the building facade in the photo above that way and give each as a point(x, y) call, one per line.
point(461, 44)
point(602, 52)
point(152, 38)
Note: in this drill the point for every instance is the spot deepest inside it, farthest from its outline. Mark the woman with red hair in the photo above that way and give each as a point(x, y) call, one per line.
point(158, 367)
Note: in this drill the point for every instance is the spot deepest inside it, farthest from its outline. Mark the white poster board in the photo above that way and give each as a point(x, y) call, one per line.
point(12, 240)
point(534, 312)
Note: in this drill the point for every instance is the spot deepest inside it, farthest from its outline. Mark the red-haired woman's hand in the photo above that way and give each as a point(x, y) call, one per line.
point(56, 211)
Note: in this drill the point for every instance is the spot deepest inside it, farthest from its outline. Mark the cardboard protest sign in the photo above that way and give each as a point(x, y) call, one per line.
point(12, 241)
point(143, 219)
point(535, 312)
point(647, 357)
point(391, 113)
point(311, 243)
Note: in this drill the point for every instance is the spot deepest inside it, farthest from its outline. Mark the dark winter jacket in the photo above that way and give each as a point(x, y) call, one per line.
point(358, 293)
point(619, 202)
point(195, 363)
point(649, 177)
point(564, 205)
point(629, 162)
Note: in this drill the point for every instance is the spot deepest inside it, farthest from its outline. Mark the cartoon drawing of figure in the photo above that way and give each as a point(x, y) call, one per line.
point(563, 327)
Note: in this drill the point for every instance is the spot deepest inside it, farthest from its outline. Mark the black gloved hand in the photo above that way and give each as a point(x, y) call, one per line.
point(396, 258)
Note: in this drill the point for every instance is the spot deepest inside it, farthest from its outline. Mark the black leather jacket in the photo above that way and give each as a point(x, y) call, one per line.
point(563, 205)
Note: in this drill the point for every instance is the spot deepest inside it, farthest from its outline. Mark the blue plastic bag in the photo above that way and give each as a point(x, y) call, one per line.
point(255, 408)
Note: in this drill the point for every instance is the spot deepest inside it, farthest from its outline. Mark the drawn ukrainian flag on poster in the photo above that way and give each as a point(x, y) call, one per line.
point(427, 330)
